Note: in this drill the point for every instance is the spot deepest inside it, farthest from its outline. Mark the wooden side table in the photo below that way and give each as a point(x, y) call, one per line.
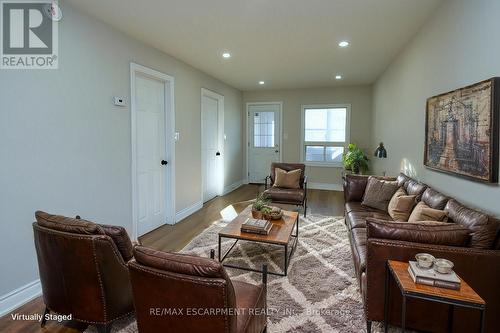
point(464, 297)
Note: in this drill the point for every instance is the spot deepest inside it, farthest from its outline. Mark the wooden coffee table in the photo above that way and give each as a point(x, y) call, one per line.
point(282, 234)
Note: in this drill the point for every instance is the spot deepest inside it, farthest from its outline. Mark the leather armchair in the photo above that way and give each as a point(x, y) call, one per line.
point(83, 271)
point(288, 196)
point(182, 293)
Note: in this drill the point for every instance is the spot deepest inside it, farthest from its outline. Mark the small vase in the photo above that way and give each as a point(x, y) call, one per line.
point(256, 214)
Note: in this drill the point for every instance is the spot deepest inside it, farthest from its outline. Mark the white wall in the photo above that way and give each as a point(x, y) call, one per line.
point(66, 149)
point(360, 98)
point(458, 46)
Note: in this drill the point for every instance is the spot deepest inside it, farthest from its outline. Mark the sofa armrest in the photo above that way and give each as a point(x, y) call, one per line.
point(479, 268)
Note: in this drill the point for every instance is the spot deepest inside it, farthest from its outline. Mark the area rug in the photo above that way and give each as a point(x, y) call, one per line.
point(320, 293)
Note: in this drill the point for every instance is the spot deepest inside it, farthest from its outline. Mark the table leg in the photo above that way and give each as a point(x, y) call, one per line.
point(219, 247)
point(481, 328)
point(286, 259)
point(403, 314)
point(450, 317)
point(386, 299)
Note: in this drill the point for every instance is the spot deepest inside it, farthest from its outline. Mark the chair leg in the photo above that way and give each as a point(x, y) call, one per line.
point(305, 208)
point(368, 326)
point(44, 318)
point(265, 330)
point(104, 328)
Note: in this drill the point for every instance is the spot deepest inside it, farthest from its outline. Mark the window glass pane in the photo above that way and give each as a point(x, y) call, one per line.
point(325, 125)
point(315, 153)
point(263, 131)
point(334, 154)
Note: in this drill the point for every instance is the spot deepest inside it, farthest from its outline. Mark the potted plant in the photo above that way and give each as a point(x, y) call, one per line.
point(260, 203)
point(354, 159)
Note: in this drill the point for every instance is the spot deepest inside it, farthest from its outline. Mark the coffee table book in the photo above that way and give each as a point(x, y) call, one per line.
point(431, 278)
point(256, 226)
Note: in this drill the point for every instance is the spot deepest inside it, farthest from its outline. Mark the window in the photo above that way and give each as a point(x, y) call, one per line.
point(325, 134)
point(263, 132)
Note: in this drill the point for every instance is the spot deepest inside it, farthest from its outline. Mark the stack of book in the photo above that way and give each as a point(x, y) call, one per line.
point(256, 226)
point(430, 277)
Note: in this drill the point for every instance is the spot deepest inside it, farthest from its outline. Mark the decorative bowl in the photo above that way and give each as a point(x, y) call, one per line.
point(425, 260)
point(443, 266)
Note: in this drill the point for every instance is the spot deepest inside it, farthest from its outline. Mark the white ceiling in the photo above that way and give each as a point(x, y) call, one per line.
point(286, 43)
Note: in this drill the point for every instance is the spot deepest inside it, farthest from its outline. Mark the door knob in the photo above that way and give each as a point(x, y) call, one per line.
point(276, 151)
point(163, 162)
point(217, 154)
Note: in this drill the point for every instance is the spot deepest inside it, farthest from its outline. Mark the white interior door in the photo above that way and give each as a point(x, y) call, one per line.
point(264, 121)
point(150, 153)
point(211, 145)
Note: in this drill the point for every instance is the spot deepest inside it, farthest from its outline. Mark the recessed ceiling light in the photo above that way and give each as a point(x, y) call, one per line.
point(344, 43)
point(338, 77)
point(226, 55)
point(261, 82)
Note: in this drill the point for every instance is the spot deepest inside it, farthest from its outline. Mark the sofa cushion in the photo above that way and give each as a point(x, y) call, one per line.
point(68, 224)
point(359, 237)
point(422, 212)
point(285, 194)
point(483, 230)
point(356, 206)
point(402, 179)
point(358, 219)
point(287, 179)
point(121, 239)
point(416, 188)
point(179, 263)
point(378, 193)
point(427, 232)
point(434, 199)
point(401, 205)
point(354, 188)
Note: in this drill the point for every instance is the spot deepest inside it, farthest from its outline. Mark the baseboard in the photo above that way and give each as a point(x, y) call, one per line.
point(324, 186)
point(232, 187)
point(19, 297)
point(182, 214)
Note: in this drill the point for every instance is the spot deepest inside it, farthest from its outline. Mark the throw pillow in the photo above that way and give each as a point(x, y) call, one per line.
point(290, 179)
point(427, 232)
point(378, 193)
point(401, 205)
point(422, 212)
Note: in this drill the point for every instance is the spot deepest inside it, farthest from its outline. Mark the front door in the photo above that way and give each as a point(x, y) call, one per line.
point(263, 139)
point(150, 156)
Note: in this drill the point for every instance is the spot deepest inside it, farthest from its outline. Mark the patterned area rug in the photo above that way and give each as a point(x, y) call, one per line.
point(320, 293)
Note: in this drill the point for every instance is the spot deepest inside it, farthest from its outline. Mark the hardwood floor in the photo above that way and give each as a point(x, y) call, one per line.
point(174, 238)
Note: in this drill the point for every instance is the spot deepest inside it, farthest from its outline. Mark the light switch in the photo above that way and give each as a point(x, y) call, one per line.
point(176, 136)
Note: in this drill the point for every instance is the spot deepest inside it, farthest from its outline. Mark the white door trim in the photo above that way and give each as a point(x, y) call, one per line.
point(169, 144)
point(247, 143)
point(220, 129)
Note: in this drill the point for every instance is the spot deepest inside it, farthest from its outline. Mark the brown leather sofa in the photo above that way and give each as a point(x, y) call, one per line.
point(478, 264)
point(290, 196)
point(83, 269)
point(182, 293)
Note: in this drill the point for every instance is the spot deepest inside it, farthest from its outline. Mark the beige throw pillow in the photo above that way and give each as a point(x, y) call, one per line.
point(422, 212)
point(378, 193)
point(290, 179)
point(401, 205)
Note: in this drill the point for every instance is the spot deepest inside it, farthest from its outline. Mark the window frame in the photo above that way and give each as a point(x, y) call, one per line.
point(304, 143)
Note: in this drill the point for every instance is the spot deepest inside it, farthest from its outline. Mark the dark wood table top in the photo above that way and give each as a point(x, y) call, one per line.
point(464, 294)
point(280, 233)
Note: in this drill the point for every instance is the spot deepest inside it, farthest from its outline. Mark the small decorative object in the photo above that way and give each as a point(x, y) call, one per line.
point(380, 152)
point(355, 159)
point(461, 131)
point(443, 266)
point(261, 202)
point(272, 213)
point(425, 260)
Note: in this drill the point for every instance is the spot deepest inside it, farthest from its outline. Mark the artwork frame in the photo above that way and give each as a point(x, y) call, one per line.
point(462, 132)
